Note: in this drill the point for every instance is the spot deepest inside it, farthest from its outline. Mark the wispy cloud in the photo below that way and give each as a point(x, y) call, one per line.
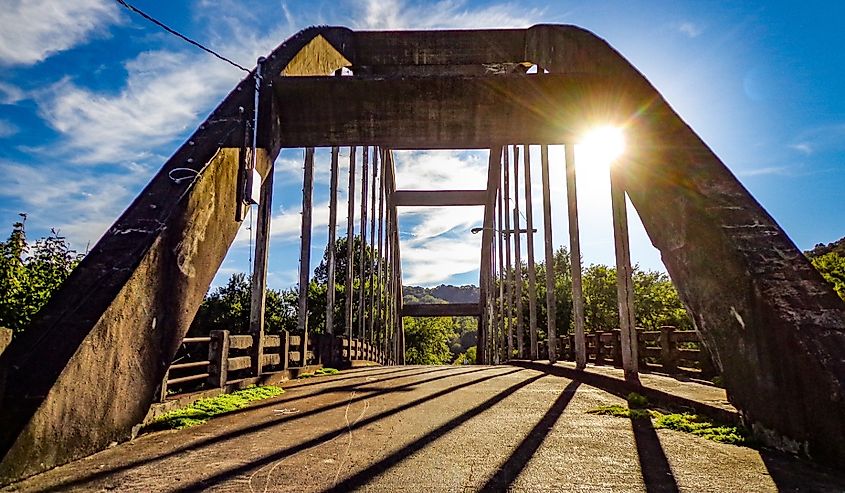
point(32, 30)
point(82, 206)
point(690, 29)
point(7, 129)
point(764, 171)
point(10, 94)
point(164, 95)
point(445, 14)
point(802, 147)
point(824, 138)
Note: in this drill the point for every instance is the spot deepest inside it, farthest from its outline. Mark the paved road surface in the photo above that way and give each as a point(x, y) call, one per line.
point(424, 429)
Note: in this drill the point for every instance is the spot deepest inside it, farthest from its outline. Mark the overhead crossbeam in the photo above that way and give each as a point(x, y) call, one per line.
point(438, 198)
point(442, 310)
point(450, 112)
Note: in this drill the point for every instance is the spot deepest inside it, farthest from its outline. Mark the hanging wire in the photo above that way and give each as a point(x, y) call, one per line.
point(179, 35)
point(250, 239)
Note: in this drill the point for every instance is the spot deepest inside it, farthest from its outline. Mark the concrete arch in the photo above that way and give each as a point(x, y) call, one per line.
point(98, 349)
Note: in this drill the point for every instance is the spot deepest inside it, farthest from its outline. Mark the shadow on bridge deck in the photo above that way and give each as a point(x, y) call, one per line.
point(440, 428)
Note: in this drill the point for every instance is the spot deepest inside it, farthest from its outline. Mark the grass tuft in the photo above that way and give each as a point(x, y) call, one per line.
point(637, 400)
point(685, 422)
point(204, 409)
point(320, 372)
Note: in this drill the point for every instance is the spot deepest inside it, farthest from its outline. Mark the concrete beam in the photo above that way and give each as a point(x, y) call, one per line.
point(452, 112)
point(438, 198)
point(441, 310)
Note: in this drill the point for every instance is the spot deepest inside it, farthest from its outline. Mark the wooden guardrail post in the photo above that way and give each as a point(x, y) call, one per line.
point(162, 389)
point(218, 357)
point(617, 347)
point(667, 349)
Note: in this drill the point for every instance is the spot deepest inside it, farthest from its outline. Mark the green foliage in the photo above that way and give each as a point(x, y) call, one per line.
point(636, 400)
point(700, 426)
point(831, 266)
point(466, 358)
point(30, 274)
point(320, 372)
point(656, 301)
point(227, 308)
point(204, 409)
point(427, 340)
point(685, 422)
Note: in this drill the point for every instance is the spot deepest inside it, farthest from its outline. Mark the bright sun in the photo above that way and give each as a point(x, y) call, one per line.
point(598, 150)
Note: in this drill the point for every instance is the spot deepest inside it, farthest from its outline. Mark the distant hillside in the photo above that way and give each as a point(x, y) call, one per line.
point(837, 246)
point(444, 293)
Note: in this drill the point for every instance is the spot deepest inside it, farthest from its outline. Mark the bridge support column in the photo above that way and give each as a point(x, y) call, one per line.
point(330, 289)
point(551, 310)
point(520, 336)
point(501, 320)
point(532, 270)
point(508, 268)
point(362, 256)
point(371, 337)
point(258, 288)
point(305, 250)
point(350, 244)
point(624, 281)
point(575, 259)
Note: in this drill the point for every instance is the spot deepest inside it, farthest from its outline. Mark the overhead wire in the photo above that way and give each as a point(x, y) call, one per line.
point(172, 31)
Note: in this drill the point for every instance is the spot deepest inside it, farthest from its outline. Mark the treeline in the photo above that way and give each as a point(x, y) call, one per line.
point(31, 271)
point(445, 340)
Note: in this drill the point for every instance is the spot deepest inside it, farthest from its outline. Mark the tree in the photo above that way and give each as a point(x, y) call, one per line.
point(656, 301)
point(30, 274)
point(227, 308)
point(319, 288)
point(831, 266)
point(427, 340)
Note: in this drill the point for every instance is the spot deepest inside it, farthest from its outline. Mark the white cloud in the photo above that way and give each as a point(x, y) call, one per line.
point(32, 30)
point(81, 206)
point(10, 94)
point(7, 129)
point(803, 147)
point(445, 14)
point(690, 29)
point(437, 260)
point(164, 95)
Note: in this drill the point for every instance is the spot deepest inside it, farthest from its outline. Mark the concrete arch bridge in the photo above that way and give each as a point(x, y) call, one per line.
point(100, 348)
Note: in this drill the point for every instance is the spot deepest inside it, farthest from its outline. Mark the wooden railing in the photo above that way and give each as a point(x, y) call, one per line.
point(221, 358)
point(669, 350)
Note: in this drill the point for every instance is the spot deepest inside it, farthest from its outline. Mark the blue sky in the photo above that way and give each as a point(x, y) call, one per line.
point(94, 99)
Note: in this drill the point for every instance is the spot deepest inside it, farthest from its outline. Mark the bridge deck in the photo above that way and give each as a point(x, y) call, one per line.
point(437, 429)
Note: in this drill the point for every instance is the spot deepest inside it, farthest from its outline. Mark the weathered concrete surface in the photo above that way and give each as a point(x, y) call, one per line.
point(433, 429)
point(98, 349)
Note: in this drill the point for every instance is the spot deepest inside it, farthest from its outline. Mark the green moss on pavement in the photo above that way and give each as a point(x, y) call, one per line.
point(204, 409)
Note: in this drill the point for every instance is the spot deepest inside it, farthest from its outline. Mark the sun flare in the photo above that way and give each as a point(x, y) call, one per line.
point(600, 148)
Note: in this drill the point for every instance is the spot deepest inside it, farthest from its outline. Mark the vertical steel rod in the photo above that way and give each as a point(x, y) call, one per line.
point(258, 289)
point(532, 270)
point(305, 250)
point(551, 305)
point(575, 259)
point(350, 242)
point(330, 289)
point(371, 256)
point(624, 281)
point(508, 267)
point(520, 343)
point(500, 234)
point(362, 264)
